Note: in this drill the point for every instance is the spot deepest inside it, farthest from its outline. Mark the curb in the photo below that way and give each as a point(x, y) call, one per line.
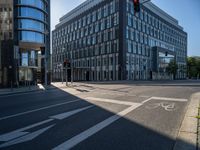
point(187, 136)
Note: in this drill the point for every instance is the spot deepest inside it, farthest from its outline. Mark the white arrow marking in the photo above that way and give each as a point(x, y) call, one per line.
point(70, 113)
point(17, 133)
point(26, 138)
point(96, 128)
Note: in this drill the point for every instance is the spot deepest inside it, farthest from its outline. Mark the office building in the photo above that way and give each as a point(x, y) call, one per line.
point(25, 35)
point(107, 40)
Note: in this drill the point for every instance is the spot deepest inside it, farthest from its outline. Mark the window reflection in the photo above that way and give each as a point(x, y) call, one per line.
point(31, 24)
point(31, 36)
point(164, 60)
point(36, 3)
point(32, 13)
point(24, 59)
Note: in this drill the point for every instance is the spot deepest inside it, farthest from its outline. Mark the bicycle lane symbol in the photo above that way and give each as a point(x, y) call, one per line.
point(165, 105)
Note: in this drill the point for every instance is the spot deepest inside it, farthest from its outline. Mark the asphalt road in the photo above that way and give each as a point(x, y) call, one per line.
point(101, 116)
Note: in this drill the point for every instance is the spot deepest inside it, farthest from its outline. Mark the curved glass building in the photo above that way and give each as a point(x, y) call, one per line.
point(32, 37)
point(24, 42)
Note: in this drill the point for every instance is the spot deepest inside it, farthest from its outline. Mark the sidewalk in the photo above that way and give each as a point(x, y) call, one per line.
point(38, 87)
point(189, 133)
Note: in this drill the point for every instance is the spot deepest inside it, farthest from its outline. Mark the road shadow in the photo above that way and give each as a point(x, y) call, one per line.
point(126, 133)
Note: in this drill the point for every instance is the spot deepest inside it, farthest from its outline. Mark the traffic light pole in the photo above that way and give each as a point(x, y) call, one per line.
point(72, 71)
point(66, 75)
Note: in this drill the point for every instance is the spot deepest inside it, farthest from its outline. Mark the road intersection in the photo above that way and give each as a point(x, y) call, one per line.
point(59, 120)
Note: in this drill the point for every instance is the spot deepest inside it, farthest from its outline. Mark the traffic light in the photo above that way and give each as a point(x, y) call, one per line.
point(66, 63)
point(136, 6)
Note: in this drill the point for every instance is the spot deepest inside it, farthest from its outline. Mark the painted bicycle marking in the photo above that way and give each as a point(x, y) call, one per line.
point(165, 105)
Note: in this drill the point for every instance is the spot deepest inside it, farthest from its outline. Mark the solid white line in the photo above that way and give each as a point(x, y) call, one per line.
point(109, 101)
point(18, 132)
point(165, 99)
point(70, 113)
point(89, 132)
point(35, 110)
point(146, 100)
point(169, 99)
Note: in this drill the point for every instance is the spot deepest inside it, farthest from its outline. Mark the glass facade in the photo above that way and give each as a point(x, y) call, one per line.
point(36, 3)
point(31, 13)
point(32, 27)
point(29, 36)
point(92, 42)
point(102, 46)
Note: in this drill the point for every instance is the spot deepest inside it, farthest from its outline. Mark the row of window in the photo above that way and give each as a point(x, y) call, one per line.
point(31, 24)
point(31, 13)
point(104, 48)
point(28, 36)
point(97, 15)
point(5, 9)
point(152, 20)
point(36, 3)
point(135, 23)
point(98, 26)
point(101, 37)
point(28, 58)
point(136, 48)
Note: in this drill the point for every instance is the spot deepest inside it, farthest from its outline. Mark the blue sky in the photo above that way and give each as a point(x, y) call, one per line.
point(187, 12)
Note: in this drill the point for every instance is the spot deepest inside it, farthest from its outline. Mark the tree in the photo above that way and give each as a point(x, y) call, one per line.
point(193, 65)
point(172, 68)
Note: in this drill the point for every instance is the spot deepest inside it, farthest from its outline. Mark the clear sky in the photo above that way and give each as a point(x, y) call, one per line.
point(187, 12)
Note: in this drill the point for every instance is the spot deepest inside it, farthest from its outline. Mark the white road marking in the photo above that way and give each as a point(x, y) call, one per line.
point(17, 133)
point(170, 99)
point(35, 110)
point(20, 132)
point(165, 105)
point(70, 113)
point(146, 100)
point(96, 128)
point(165, 99)
point(110, 101)
point(26, 138)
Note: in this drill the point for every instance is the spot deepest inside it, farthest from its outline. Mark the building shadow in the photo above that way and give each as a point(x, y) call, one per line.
point(126, 133)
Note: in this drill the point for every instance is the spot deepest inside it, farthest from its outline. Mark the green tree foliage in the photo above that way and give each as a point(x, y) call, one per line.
point(193, 66)
point(172, 68)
